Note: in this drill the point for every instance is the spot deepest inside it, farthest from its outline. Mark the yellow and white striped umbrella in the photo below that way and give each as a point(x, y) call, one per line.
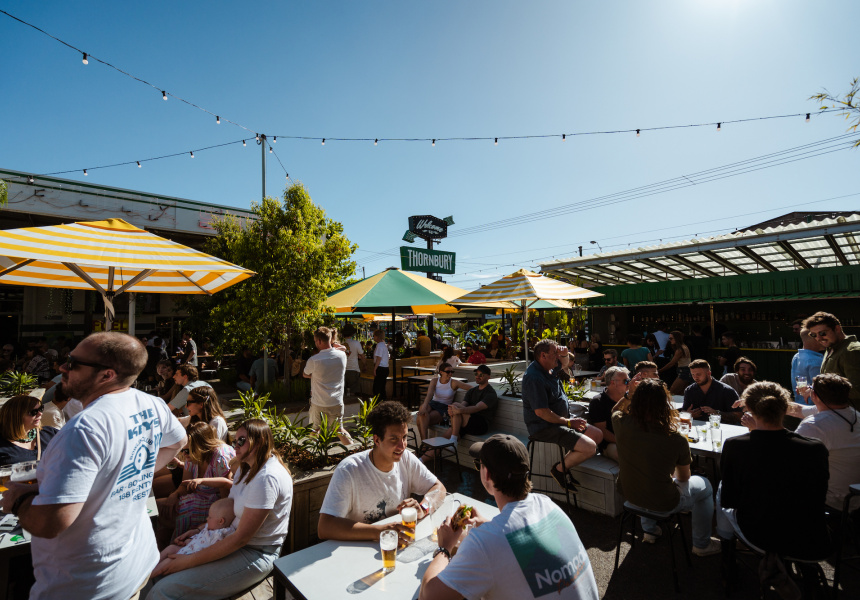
point(110, 257)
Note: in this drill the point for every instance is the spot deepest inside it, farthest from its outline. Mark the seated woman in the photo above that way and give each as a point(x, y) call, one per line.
point(205, 476)
point(204, 407)
point(763, 468)
point(262, 496)
point(448, 357)
point(440, 395)
point(22, 437)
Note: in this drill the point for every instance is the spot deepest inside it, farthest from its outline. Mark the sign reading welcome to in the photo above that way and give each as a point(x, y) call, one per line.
point(426, 261)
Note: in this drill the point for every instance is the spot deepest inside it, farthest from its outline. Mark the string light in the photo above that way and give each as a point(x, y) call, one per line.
point(85, 61)
point(258, 138)
point(270, 149)
point(563, 137)
point(31, 179)
point(275, 140)
point(217, 119)
point(376, 142)
point(192, 154)
point(434, 143)
point(323, 142)
point(718, 127)
point(85, 172)
point(164, 95)
point(807, 117)
point(139, 165)
point(496, 142)
point(637, 133)
point(243, 143)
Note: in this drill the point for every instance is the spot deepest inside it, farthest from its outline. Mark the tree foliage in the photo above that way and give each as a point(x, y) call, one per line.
point(850, 108)
point(4, 193)
point(299, 257)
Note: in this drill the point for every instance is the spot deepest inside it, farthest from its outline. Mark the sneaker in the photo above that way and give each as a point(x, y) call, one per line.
point(713, 547)
point(650, 538)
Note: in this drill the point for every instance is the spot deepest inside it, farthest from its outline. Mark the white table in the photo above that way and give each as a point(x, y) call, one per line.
point(334, 569)
point(704, 447)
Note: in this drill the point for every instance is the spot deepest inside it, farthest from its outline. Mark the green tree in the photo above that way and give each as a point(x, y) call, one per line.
point(849, 107)
point(4, 193)
point(299, 257)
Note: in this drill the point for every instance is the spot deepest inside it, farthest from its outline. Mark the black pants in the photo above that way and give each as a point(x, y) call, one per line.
point(379, 381)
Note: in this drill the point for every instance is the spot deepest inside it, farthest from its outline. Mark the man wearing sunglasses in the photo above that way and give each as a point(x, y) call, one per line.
point(841, 352)
point(91, 536)
point(600, 409)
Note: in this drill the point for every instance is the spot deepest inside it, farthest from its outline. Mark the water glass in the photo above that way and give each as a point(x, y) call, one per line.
point(388, 547)
point(703, 432)
point(717, 439)
point(801, 382)
point(714, 420)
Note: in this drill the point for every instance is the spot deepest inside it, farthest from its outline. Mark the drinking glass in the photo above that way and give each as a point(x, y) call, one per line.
point(409, 518)
point(714, 420)
point(24, 472)
point(800, 380)
point(703, 432)
point(388, 547)
point(717, 439)
point(686, 422)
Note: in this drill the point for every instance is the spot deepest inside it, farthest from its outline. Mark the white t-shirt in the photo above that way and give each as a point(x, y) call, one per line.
point(352, 355)
point(530, 550)
point(220, 427)
point(72, 408)
point(454, 361)
point(326, 369)
point(360, 492)
point(381, 351)
point(53, 416)
point(181, 398)
point(843, 445)
point(104, 458)
point(272, 489)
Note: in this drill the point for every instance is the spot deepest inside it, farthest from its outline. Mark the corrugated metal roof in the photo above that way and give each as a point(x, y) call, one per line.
point(829, 242)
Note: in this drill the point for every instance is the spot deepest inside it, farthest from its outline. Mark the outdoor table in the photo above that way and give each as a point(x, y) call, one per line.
point(414, 384)
point(334, 569)
point(418, 370)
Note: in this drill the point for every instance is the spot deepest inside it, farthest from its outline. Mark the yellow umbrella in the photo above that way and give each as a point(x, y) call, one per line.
point(110, 257)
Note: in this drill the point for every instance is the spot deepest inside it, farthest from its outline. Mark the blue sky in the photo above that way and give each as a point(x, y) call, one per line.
point(444, 69)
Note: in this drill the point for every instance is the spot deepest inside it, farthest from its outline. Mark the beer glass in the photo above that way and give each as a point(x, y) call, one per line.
point(388, 547)
point(409, 518)
point(800, 380)
point(5, 476)
point(24, 472)
point(686, 422)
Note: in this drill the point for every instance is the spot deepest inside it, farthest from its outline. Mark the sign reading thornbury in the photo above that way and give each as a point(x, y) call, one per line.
point(426, 261)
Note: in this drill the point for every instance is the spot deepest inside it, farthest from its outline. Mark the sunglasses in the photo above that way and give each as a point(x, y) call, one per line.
point(193, 401)
point(448, 372)
point(819, 334)
point(239, 442)
point(607, 360)
point(72, 364)
point(38, 410)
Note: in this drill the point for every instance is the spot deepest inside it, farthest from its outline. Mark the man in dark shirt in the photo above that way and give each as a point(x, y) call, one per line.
point(600, 409)
point(243, 369)
point(731, 353)
point(547, 415)
point(476, 413)
point(697, 343)
point(154, 354)
point(707, 396)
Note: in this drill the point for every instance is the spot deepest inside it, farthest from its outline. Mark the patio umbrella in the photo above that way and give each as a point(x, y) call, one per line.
point(110, 257)
point(526, 288)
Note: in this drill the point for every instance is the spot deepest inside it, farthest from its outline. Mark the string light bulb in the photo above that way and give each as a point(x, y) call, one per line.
point(807, 117)
point(637, 133)
point(270, 150)
point(563, 137)
point(376, 142)
point(85, 172)
point(31, 179)
point(138, 165)
point(243, 143)
point(434, 143)
point(192, 154)
point(85, 60)
point(323, 142)
point(164, 95)
point(275, 140)
point(496, 143)
point(719, 127)
point(258, 138)
point(217, 119)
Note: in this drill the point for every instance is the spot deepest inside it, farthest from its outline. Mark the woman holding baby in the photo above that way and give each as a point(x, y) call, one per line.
point(262, 495)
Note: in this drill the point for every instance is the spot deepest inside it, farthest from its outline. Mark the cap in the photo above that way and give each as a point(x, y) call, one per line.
point(503, 455)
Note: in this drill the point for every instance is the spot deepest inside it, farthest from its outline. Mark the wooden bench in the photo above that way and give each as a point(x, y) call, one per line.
point(597, 475)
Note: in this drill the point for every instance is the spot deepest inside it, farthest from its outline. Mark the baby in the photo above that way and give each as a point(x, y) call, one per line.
point(218, 526)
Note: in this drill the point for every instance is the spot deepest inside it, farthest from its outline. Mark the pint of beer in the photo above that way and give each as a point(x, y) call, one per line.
point(686, 422)
point(5, 476)
point(24, 472)
point(409, 517)
point(388, 547)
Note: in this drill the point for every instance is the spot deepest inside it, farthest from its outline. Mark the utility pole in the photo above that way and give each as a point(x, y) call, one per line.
point(263, 150)
point(262, 143)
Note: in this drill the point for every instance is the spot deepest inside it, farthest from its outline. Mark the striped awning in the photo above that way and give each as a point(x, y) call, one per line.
point(110, 257)
point(524, 287)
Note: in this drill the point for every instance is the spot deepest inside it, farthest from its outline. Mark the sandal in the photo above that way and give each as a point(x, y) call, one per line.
point(564, 478)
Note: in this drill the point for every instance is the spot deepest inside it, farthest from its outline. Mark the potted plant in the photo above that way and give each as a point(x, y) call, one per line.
point(17, 383)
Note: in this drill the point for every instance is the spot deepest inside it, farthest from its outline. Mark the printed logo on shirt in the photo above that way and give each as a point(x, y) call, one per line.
point(550, 554)
point(135, 478)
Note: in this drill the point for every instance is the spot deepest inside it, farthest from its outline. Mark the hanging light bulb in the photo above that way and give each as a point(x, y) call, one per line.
point(275, 140)
point(270, 150)
point(323, 142)
point(85, 61)
point(287, 174)
point(258, 138)
point(376, 142)
point(138, 164)
point(85, 172)
point(164, 94)
point(637, 133)
point(217, 119)
point(243, 143)
point(496, 142)
point(807, 117)
point(434, 143)
point(31, 179)
point(718, 127)
point(563, 137)
point(192, 154)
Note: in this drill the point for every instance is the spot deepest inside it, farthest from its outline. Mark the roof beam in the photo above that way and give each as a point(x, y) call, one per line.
point(692, 265)
point(583, 277)
point(723, 262)
point(613, 274)
point(753, 256)
point(654, 264)
point(793, 253)
point(599, 277)
point(643, 272)
point(834, 245)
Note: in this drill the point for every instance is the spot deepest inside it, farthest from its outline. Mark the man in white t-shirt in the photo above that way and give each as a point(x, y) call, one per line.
point(326, 371)
point(375, 484)
point(354, 359)
point(530, 550)
point(91, 536)
point(190, 356)
point(836, 425)
point(186, 376)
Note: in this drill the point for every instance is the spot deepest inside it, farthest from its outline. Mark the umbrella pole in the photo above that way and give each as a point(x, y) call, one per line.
point(132, 309)
point(525, 334)
point(394, 359)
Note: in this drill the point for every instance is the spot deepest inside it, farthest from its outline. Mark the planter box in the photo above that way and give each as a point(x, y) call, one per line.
point(308, 493)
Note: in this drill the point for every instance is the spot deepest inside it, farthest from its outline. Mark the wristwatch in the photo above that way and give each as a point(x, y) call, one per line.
point(441, 550)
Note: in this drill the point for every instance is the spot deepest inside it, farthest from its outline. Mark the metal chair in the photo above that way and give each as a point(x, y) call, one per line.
point(844, 529)
point(531, 450)
point(439, 446)
point(667, 522)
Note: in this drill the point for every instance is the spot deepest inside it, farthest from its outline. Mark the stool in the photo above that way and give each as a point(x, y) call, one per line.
point(531, 450)
point(844, 529)
point(411, 439)
point(439, 446)
point(666, 522)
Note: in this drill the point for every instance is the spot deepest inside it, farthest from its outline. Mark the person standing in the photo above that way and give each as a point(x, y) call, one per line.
point(489, 562)
point(679, 363)
point(261, 374)
point(87, 514)
point(662, 335)
point(635, 352)
point(841, 352)
point(190, 355)
point(380, 365)
point(422, 344)
point(326, 370)
point(354, 359)
point(806, 363)
point(732, 353)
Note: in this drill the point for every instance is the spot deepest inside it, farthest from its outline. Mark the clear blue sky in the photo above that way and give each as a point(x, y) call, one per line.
point(443, 69)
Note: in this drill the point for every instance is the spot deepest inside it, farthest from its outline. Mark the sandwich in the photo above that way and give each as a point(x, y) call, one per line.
point(463, 514)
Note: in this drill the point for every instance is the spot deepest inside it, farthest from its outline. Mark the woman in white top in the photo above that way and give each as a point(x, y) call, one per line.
point(380, 365)
point(203, 405)
point(440, 395)
point(681, 360)
point(448, 357)
point(262, 494)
